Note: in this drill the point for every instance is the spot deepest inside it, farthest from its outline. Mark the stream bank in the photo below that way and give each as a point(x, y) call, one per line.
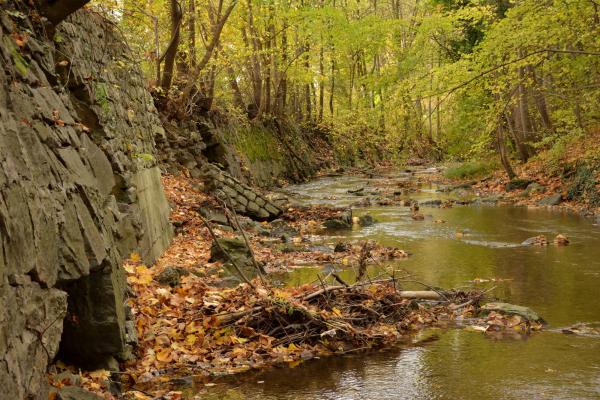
point(487, 256)
point(558, 282)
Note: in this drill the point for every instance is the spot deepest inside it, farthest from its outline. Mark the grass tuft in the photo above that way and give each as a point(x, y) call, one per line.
point(473, 169)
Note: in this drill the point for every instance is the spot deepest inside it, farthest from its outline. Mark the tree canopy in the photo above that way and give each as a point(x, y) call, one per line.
point(431, 78)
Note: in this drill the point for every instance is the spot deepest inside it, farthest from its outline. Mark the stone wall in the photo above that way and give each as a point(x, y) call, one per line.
point(79, 190)
point(244, 199)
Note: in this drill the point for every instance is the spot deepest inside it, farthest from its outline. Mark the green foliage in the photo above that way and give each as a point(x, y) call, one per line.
point(472, 169)
point(144, 156)
point(397, 79)
point(21, 65)
point(102, 98)
point(584, 184)
point(258, 144)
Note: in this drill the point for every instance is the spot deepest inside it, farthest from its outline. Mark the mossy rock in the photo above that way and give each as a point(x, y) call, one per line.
point(512, 309)
point(234, 247)
point(366, 220)
point(517, 183)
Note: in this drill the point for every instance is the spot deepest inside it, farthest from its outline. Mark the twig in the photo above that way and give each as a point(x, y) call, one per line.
point(471, 301)
point(339, 279)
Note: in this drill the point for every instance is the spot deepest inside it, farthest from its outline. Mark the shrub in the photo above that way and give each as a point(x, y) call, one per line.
point(471, 169)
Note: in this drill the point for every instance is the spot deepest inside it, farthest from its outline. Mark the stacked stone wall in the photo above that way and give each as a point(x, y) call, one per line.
point(243, 198)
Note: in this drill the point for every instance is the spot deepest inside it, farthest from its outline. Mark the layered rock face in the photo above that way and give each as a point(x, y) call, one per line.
point(80, 190)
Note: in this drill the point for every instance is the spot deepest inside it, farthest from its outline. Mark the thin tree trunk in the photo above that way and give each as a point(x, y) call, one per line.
point(517, 134)
point(214, 41)
point(540, 101)
point(501, 147)
point(321, 84)
point(332, 85)
point(307, 91)
point(192, 33)
point(238, 98)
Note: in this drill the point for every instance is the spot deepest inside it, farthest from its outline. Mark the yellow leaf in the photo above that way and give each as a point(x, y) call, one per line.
point(194, 327)
point(293, 347)
point(130, 269)
point(100, 374)
point(164, 356)
point(235, 339)
point(190, 339)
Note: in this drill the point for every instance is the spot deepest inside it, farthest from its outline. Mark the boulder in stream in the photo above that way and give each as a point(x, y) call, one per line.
point(366, 220)
point(539, 240)
point(342, 222)
point(561, 240)
point(336, 223)
point(341, 247)
point(512, 309)
point(357, 192)
point(282, 230)
point(553, 200)
point(430, 203)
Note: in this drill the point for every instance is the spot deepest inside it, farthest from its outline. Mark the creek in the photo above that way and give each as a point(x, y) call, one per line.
point(562, 284)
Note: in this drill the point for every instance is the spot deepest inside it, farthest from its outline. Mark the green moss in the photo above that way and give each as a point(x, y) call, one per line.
point(470, 170)
point(143, 156)
point(21, 65)
point(102, 97)
point(258, 144)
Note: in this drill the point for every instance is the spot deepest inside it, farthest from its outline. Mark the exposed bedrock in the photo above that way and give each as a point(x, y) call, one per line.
point(80, 191)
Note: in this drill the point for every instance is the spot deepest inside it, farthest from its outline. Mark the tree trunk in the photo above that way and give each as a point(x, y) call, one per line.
point(516, 131)
point(192, 33)
point(217, 29)
point(321, 84)
point(307, 87)
point(238, 98)
point(540, 102)
point(501, 147)
point(332, 85)
point(171, 53)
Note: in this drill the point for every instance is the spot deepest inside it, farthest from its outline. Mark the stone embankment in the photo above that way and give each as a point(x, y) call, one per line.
point(244, 199)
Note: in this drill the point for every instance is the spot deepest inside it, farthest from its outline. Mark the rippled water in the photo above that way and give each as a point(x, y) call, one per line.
point(560, 283)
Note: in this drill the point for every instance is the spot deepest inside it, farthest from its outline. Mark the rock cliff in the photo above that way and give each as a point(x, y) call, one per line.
point(80, 190)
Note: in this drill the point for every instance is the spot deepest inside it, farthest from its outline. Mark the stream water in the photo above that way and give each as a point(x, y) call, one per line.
point(562, 284)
